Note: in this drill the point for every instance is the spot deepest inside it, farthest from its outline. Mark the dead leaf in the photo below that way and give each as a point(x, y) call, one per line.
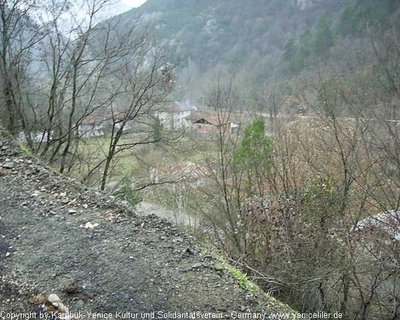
point(111, 216)
point(38, 299)
point(90, 225)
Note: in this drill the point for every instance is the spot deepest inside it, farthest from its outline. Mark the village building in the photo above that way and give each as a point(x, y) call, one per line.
point(35, 136)
point(91, 126)
point(172, 117)
point(209, 122)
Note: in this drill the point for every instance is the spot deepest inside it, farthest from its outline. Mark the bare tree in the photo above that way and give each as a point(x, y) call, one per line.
point(144, 88)
point(274, 95)
point(19, 33)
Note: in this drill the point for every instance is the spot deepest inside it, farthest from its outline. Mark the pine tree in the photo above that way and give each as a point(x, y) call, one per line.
point(323, 40)
point(290, 50)
point(347, 24)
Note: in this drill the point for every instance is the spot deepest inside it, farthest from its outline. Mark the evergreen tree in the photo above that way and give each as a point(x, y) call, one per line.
point(255, 149)
point(157, 129)
point(323, 40)
point(290, 50)
point(347, 24)
point(305, 49)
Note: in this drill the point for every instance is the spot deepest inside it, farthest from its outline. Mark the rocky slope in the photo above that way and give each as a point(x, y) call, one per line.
point(56, 236)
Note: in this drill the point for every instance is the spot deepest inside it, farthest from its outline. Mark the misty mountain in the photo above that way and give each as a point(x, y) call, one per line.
point(249, 35)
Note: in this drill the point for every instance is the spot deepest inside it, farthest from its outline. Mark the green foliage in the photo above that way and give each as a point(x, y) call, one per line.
point(321, 199)
point(157, 127)
point(300, 53)
point(357, 17)
point(239, 276)
point(25, 148)
point(330, 98)
point(305, 44)
point(348, 22)
point(126, 193)
point(323, 39)
point(290, 50)
point(373, 12)
point(274, 305)
point(255, 149)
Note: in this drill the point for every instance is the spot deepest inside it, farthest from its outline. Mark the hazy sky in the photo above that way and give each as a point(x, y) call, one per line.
point(134, 3)
point(121, 6)
point(124, 5)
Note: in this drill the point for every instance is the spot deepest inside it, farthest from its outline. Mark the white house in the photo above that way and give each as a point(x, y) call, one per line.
point(172, 117)
point(36, 136)
point(92, 126)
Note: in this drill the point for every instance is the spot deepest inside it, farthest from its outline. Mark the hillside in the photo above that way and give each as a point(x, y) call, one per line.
point(257, 40)
point(234, 33)
point(56, 236)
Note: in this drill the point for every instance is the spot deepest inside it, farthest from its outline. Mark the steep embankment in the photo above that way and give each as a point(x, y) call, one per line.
point(98, 256)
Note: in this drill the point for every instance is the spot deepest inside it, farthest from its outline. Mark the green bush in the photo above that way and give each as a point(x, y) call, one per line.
point(127, 193)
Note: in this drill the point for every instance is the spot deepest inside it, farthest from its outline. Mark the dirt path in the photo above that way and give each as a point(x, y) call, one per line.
point(58, 237)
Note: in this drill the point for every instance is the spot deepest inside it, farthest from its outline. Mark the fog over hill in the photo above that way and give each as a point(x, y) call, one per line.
point(250, 38)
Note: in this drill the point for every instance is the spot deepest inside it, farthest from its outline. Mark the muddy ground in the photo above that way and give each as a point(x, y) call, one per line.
point(56, 236)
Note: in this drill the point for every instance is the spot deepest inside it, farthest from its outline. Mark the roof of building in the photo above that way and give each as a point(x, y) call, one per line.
point(208, 118)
